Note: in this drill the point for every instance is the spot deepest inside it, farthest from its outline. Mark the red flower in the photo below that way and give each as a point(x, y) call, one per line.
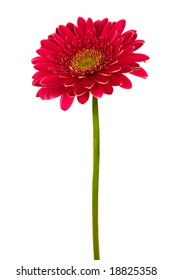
point(91, 57)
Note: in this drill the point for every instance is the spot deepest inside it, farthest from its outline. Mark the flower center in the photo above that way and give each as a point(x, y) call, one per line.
point(87, 59)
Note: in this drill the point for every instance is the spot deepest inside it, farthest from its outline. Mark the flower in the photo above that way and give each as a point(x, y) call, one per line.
point(87, 58)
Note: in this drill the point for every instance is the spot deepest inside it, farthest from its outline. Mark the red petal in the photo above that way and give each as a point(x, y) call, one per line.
point(132, 39)
point(97, 90)
point(81, 26)
point(106, 29)
point(51, 80)
point(128, 50)
point(47, 44)
point(101, 79)
point(126, 83)
point(88, 82)
point(46, 66)
point(49, 93)
point(70, 82)
point(101, 26)
point(120, 80)
point(66, 101)
point(80, 89)
point(96, 23)
point(132, 46)
point(128, 35)
point(36, 82)
point(70, 26)
point(55, 93)
point(112, 69)
point(126, 68)
point(47, 53)
point(117, 30)
point(90, 25)
point(104, 72)
point(38, 76)
point(64, 75)
point(40, 59)
point(117, 44)
point(83, 98)
point(137, 44)
point(44, 93)
point(134, 57)
point(115, 80)
point(134, 65)
point(108, 89)
point(71, 91)
point(58, 40)
point(65, 32)
point(140, 73)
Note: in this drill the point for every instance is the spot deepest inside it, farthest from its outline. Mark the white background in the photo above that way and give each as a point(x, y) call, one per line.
point(46, 154)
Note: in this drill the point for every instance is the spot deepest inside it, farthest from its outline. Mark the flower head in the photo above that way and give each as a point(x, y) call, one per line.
point(87, 58)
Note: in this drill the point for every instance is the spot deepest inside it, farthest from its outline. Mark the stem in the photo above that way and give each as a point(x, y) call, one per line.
point(95, 179)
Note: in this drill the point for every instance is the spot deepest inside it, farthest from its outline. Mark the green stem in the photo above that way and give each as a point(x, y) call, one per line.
point(95, 179)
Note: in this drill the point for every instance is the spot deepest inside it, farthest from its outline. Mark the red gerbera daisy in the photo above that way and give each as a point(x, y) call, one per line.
point(90, 57)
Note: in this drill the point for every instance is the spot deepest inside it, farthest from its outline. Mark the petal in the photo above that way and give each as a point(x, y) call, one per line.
point(137, 44)
point(120, 80)
point(128, 36)
point(71, 91)
point(65, 32)
point(70, 82)
point(90, 25)
point(134, 57)
point(126, 68)
point(140, 73)
point(101, 25)
point(36, 82)
point(71, 26)
point(96, 23)
point(80, 89)
point(47, 53)
point(112, 69)
point(47, 44)
point(126, 83)
point(132, 38)
point(55, 93)
point(101, 79)
point(132, 46)
point(115, 80)
point(66, 101)
point(58, 39)
point(64, 75)
point(117, 45)
point(63, 90)
point(46, 66)
point(81, 26)
point(104, 72)
point(44, 93)
point(106, 29)
point(128, 50)
point(39, 59)
point(38, 76)
point(88, 82)
point(51, 80)
point(117, 30)
point(83, 98)
point(97, 90)
point(49, 92)
point(108, 89)
point(134, 65)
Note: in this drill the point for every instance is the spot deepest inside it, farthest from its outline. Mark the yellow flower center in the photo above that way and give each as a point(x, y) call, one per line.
point(87, 59)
